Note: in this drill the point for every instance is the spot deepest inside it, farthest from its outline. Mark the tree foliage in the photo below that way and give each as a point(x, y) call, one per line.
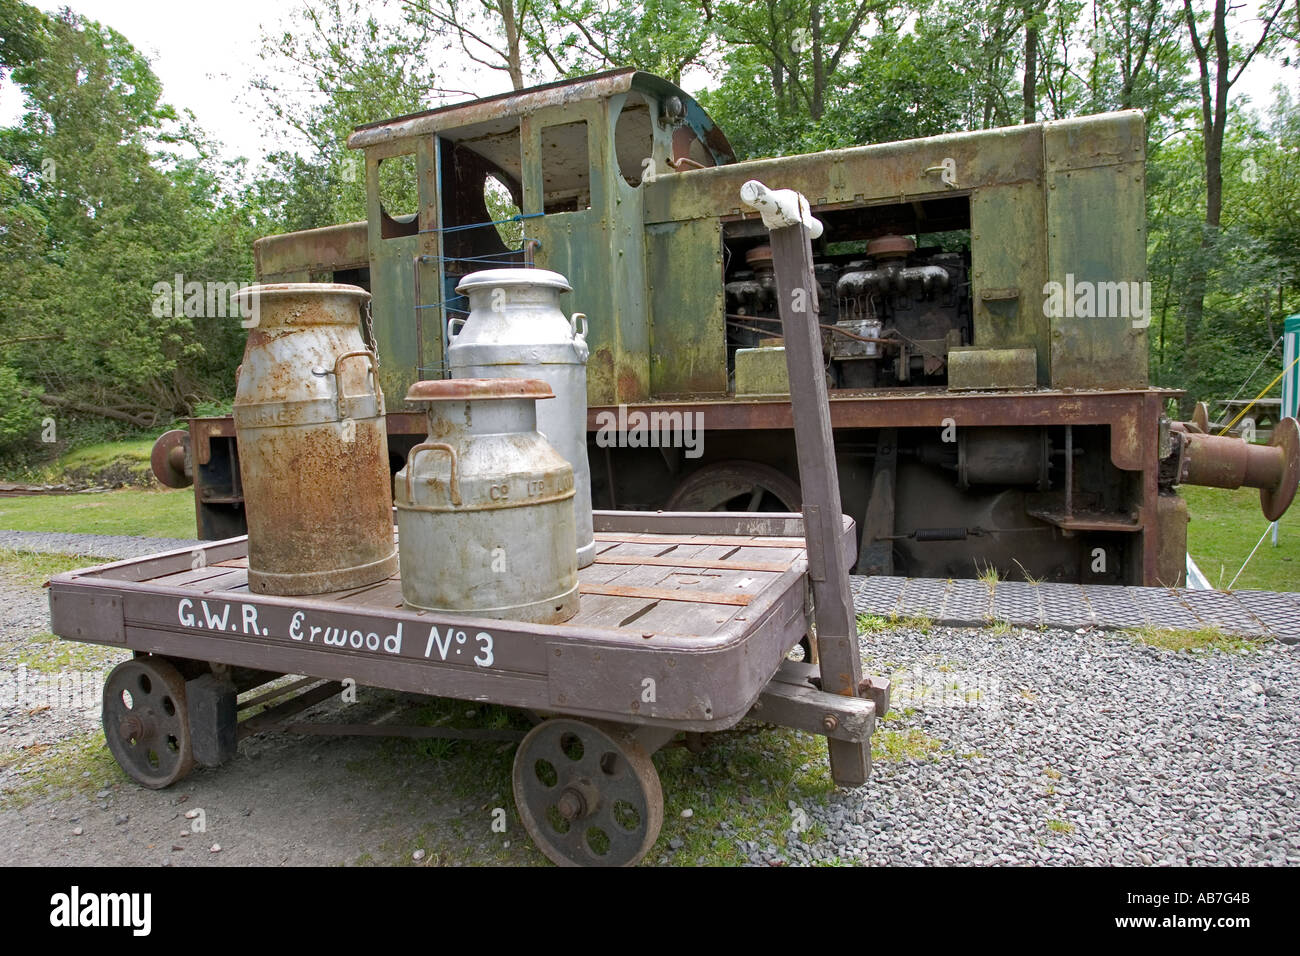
point(106, 190)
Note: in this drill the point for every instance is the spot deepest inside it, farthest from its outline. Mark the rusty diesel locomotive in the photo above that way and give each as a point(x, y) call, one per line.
point(981, 298)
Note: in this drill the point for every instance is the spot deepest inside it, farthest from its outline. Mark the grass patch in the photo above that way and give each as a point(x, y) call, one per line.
point(130, 459)
point(50, 654)
point(111, 463)
point(746, 779)
point(897, 745)
point(1000, 628)
point(739, 789)
point(897, 714)
point(135, 512)
point(80, 764)
point(1225, 525)
point(1203, 640)
point(34, 568)
point(1060, 826)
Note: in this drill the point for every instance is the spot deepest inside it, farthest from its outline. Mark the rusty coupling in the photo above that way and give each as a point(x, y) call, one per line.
point(1222, 462)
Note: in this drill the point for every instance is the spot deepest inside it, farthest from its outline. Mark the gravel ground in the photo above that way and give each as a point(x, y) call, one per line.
point(1073, 748)
point(1004, 746)
point(92, 545)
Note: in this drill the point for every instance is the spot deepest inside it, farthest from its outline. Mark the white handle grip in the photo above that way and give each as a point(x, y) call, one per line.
point(780, 207)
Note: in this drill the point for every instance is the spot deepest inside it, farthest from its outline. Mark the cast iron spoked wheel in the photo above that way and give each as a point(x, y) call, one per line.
point(587, 794)
point(736, 486)
point(146, 723)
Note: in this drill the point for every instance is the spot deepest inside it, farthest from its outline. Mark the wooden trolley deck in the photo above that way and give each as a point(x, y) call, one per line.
point(704, 606)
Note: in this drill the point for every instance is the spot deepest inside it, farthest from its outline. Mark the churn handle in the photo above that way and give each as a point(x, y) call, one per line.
point(456, 318)
point(338, 382)
point(573, 324)
point(454, 485)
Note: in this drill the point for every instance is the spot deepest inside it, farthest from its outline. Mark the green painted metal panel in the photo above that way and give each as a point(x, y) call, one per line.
point(1096, 293)
point(688, 336)
point(887, 173)
point(601, 251)
point(393, 309)
point(1008, 265)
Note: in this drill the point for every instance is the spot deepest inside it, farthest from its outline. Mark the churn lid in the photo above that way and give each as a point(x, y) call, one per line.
point(478, 389)
point(487, 278)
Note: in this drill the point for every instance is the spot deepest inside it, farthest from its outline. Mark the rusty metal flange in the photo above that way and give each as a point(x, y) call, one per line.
point(1274, 501)
point(168, 459)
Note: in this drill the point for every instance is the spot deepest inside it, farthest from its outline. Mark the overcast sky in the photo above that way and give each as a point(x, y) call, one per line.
point(205, 52)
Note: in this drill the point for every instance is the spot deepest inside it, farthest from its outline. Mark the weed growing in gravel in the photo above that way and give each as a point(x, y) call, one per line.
point(1000, 628)
point(746, 779)
point(1203, 641)
point(910, 744)
point(899, 714)
point(872, 623)
point(1029, 578)
point(1060, 826)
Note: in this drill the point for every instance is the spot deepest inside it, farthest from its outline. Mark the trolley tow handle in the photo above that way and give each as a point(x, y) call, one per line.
point(339, 397)
point(453, 485)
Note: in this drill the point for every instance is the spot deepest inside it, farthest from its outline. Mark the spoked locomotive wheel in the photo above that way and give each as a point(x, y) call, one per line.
point(146, 723)
point(588, 795)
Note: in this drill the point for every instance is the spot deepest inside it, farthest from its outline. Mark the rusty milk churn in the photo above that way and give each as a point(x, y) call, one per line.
point(515, 329)
point(313, 448)
point(485, 506)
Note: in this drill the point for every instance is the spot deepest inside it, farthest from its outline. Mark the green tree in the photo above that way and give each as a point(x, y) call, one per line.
point(333, 66)
point(108, 192)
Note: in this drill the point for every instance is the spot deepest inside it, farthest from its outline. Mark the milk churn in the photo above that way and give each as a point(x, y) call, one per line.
point(313, 449)
point(485, 506)
point(515, 329)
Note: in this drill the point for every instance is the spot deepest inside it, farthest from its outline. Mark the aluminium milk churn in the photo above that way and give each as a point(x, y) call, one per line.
point(485, 506)
point(313, 448)
point(515, 329)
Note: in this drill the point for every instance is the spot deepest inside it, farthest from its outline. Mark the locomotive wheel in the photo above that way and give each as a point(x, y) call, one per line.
point(587, 794)
point(736, 486)
point(146, 723)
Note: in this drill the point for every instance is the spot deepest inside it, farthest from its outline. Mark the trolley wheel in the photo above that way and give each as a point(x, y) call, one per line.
point(146, 722)
point(587, 794)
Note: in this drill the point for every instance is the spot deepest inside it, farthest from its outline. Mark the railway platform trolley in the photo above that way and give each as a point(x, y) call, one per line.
point(686, 624)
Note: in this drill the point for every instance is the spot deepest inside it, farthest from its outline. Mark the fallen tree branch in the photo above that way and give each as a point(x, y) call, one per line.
point(103, 411)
